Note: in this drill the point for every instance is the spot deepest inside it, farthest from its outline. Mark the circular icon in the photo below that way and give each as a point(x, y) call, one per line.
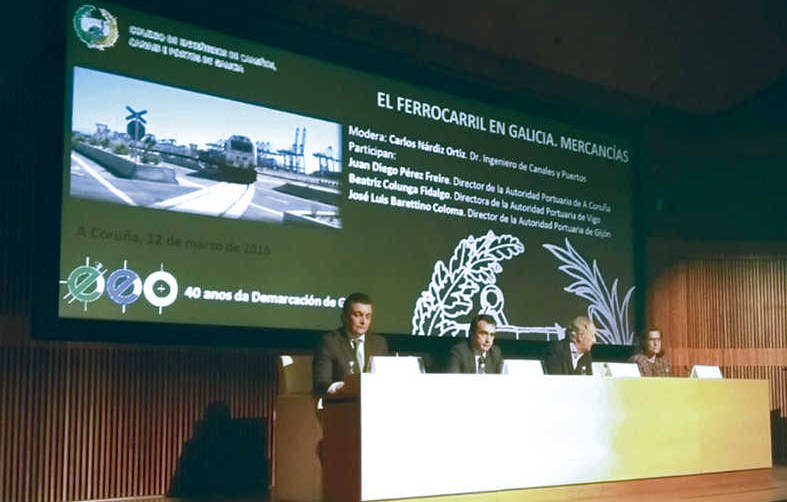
point(161, 289)
point(95, 27)
point(85, 283)
point(124, 286)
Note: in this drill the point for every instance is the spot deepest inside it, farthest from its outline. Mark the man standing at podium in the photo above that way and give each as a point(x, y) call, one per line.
point(347, 350)
point(571, 355)
point(477, 354)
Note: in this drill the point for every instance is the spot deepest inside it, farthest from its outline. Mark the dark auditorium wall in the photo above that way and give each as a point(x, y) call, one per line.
point(725, 304)
point(82, 423)
point(96, 421)
point(714, 205)
point(90, 421)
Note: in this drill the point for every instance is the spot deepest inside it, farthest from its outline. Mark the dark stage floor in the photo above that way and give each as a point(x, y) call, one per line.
point(763, 485)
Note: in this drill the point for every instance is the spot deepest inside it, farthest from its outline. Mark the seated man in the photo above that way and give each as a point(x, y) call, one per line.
point(477, 354)
point(346, 350)
point(571, 355)
point(651, 360)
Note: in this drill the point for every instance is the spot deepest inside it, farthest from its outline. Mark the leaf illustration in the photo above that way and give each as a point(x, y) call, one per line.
point(447, 327)
point(605, 309)
point(475, 262)
point(460, 301)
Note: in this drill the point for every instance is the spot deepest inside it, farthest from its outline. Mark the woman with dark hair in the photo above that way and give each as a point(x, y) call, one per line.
point(651, 360)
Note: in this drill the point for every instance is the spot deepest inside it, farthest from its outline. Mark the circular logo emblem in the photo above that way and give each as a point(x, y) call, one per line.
point(96, 27)
point(86, 283)
point(124, 287)
point(160, 289)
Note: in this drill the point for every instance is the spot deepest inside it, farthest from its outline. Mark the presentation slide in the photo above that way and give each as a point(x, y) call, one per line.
point(210, 180)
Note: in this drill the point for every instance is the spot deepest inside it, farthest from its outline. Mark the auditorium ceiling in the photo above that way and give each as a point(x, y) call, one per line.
point(699, 56)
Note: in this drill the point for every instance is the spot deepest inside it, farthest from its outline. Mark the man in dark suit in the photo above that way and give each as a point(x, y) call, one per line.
point(571, 355)
point(346, 350)
point(477, 354)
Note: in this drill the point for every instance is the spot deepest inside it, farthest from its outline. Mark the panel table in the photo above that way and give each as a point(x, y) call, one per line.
point(427, 435)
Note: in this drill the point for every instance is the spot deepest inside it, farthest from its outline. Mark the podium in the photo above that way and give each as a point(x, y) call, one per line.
point(297, 476)
point(430, 435)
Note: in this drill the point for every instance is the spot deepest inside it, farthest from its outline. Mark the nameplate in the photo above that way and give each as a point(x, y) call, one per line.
point(523, 367)
point(394, 365)
point(616, 370)
point(705, 371)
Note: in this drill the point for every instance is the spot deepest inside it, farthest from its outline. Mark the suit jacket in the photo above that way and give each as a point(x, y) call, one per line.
point(558, 360)
point(462, 360)
point(332, 357)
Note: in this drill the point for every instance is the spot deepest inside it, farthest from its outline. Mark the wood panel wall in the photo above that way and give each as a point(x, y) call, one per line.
point(86, 423)
point(726, 308)
point(99, 423)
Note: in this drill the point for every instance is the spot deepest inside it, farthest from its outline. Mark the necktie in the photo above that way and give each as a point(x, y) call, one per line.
point(481, 364)
point(358, 347)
